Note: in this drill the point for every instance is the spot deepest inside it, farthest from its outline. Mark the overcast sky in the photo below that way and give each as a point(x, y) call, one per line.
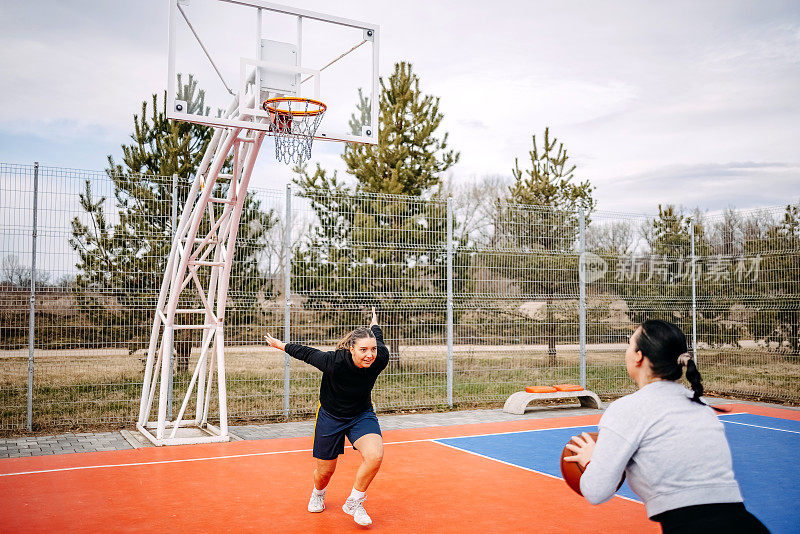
point(694, 103)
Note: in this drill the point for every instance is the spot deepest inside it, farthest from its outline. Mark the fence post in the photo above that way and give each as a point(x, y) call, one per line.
point(32, 313)
point(450, 301)
point(287, 303)
point(174, 226)
point(694, 296)
point(582, 292)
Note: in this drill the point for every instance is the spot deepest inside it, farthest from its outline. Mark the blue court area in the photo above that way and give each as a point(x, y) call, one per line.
point(764, 453)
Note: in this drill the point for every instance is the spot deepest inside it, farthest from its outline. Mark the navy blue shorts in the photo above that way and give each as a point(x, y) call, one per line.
point(330, 431)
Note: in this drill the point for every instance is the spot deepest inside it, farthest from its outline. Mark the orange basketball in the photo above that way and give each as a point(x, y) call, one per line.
point(572, 471)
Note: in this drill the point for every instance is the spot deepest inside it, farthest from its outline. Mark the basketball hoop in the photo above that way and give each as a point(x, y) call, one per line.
point(294, 121)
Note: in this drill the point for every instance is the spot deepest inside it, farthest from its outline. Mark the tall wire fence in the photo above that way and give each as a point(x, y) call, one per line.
point(477, 300)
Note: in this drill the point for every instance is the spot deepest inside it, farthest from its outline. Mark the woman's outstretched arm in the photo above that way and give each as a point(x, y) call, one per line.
point(319, 359)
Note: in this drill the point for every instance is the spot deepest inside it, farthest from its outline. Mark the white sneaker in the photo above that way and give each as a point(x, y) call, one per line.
point(316, 503)
point(355, 507)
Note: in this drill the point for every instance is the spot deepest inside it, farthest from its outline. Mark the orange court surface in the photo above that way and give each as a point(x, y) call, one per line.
point(424, 485)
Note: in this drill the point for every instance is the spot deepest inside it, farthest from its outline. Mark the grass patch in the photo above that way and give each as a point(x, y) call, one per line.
point(83, 389)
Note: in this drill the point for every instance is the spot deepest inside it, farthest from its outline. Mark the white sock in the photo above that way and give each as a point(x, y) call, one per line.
point(358, 495)
point(320, 493)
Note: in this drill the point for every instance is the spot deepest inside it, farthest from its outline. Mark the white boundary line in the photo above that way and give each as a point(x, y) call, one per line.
point(133, 464)
point(519, 466)
point(515, 432)
point(434, 440)
point(758, 426)
point(732, 414)
point(245, 455)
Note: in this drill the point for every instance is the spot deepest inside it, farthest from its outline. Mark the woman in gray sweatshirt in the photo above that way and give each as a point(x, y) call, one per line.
point(667, 441)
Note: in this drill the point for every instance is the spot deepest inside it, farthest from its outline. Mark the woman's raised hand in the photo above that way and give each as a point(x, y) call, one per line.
point(374, 320)
point(275, 343)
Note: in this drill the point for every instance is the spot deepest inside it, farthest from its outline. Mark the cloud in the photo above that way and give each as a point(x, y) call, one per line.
point(683, 102)
point(712, 186)
point(90, 69)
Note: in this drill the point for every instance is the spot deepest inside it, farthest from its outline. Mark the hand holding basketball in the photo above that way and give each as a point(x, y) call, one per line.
point(275, 343)
point(575, 457)
point(583, 447)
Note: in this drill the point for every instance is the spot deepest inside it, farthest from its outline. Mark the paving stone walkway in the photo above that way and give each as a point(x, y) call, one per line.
point(129, 439)
point(62, 444)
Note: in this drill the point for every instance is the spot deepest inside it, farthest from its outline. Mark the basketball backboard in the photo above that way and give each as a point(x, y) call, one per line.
point(242, 52)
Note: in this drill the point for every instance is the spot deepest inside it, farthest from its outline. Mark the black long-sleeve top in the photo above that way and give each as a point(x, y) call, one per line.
point(346, 390)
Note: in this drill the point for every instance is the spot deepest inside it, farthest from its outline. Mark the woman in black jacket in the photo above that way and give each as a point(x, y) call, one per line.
point(345, 396)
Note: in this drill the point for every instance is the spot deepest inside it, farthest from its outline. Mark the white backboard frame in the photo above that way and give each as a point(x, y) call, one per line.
point(325, 132)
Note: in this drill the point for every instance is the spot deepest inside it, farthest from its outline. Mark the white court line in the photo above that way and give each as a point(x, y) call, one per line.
point(103, 466)
point(515, 432)
point(520, 467)
point(759, 426)
point(157, 462)
point(732, 414)
point(755, 426)
point(245, 455)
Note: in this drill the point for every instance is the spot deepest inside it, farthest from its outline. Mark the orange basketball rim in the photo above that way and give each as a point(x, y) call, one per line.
point(273, 105)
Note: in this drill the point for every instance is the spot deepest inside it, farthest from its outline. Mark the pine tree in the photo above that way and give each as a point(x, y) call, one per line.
point(548, 183)
point(662, 288)
point(777, 287)
point(546, 229)
point(366, 245)
point(409, 158)
point(121, 265)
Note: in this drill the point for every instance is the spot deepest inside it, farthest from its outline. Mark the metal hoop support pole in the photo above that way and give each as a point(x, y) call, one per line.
point(450, 301)
point(287, 301)
point(32, 313)
point(694, 296)
point(173, 221)
point(582, 294)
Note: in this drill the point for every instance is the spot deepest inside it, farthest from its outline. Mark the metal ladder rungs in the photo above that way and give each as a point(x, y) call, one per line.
point(195, 326)
point(208, 263)
point(200, 240)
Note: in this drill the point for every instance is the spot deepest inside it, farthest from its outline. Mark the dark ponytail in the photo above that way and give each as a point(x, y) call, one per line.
point(664, 345)
point(695, 380)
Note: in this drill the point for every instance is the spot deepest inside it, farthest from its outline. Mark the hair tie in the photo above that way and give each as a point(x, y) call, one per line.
point(684, 358)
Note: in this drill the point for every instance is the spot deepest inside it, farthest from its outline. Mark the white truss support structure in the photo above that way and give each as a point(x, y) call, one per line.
point(196, 255)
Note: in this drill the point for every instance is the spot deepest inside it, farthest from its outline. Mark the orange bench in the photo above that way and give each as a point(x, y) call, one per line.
point(518, 402)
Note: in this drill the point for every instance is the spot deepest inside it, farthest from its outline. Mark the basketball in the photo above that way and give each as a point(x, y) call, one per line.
point(572, 471)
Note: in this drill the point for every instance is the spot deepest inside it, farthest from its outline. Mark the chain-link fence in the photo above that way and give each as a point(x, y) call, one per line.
point(476, 299)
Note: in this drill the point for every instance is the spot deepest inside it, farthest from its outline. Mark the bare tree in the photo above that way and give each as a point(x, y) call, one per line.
point(617, 237)
point(18, 275)
point(475, 207)
point(724, 236)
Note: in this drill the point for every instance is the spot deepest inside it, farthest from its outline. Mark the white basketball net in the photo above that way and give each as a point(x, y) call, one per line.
point(294, 122)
